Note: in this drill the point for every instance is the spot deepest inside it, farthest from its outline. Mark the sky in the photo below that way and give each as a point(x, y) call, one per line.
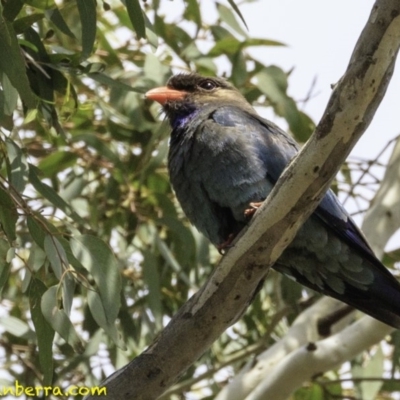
point(321, 36)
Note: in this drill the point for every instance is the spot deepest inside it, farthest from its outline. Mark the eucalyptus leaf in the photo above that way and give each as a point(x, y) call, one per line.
point(58, 319)
point(12, 63)
point(21, 24)
point(50, 194)
point(41, 4)
point(229, 18)
point(107, 80)
point(152, 280)
point(8, 215)
point(236, 9)
point(54, 15)
point(87, 14)
point(136, 16)
point(10, 95)
point(56, 162)
point(98, 259)
point(99, 315)
point(12, 8)
point(44, 332)
point(56, 255)
point(18, 167)
point(373, 368)
point(4, 264)
point(16, 327)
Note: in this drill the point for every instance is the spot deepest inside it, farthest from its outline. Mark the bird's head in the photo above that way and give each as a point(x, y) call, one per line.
point(187, 93)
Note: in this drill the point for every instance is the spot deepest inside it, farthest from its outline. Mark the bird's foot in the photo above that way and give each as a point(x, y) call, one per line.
point(226, 245)
point(253, 207)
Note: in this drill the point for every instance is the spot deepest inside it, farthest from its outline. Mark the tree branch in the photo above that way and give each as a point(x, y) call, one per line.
point(280, 366)
point(316, 358)
point(383, 217)
point(232, 286)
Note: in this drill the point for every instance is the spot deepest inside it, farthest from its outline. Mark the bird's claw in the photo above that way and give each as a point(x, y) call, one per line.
point(253, 207)
point(226, 245)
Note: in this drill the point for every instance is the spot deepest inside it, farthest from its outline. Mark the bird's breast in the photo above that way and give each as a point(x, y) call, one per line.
point(215, 174)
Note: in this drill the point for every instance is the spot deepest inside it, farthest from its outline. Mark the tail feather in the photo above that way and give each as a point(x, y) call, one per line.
point(380, 299)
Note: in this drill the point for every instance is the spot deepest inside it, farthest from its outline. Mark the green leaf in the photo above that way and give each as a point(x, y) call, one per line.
point(391, 385)
point(6, 121)
point(237, 11)
point(182, 235)
point(10, 254)
point(107, 80)
point(99, 146)
point(26, 281)
point(16, 327)
point(395, 342)
point(219, 32)
point(56, 255)
point(136, 16)
point(39, 77)
point(18, 167)
point(44, 332)
point(68, 285)
point(391, 257)
point(8, 215)
point(37, 258)
point(71, 258)
point(152, 37)
point(229, 18)
point(73, 188)
point(301, 125)
point(87, 14)
point(36, 230)
point(12, 8)
point(21, 24)
point(98, 259)
point(174, 36)
point(41, 4)
point(56, 162)
point(272, 81)
point(261, 42)
point(4, 264)
point(230, 45)
point(58, 319)
point(192, 12)
point(10, 95)
point(239, 69)
point(96, 308)
point(206, 66)
point(171, 260)
point(12, 63)
point(154, 69)
point(50, 194)
point(314, 392)
point(151, 277)
point(374, 367)
point(54, 15)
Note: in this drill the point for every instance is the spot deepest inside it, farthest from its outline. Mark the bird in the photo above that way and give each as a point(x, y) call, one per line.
point(223, 161)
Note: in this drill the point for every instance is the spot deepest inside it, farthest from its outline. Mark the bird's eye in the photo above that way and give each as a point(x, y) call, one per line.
point(208, 84)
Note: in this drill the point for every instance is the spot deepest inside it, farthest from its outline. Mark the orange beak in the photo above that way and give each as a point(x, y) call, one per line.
point(164, 94)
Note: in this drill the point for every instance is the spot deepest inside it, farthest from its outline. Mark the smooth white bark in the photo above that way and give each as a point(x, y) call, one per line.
point(285, 366)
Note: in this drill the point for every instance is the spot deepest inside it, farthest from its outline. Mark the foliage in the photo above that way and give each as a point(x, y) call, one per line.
point(95, 253)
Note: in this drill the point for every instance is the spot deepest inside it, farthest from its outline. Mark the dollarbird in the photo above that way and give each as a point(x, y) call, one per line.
point(224, 159)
